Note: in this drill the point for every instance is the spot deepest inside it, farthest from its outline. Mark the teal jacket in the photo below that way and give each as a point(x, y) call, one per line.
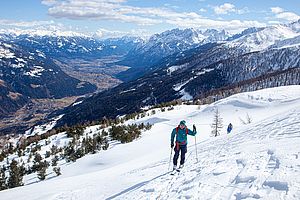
point(181, 136)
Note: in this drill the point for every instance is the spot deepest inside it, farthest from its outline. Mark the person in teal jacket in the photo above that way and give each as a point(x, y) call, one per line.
point(180, 135)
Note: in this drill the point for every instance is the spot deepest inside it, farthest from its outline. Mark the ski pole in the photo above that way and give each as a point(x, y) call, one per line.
point(170, 159)
point(196, 149)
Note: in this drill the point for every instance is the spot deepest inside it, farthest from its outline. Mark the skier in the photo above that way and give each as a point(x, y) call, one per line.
point(229, 128)
point(181, 133)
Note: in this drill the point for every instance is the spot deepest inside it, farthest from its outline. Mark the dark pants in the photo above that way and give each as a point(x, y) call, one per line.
point(182, 149)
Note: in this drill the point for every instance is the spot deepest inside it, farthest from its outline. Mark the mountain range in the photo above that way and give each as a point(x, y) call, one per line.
point(26, 73)
point(171, 65)
point(195, 71)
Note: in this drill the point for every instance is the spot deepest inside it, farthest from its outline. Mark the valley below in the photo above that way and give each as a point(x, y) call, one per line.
point(100, 72)
point(33, 112)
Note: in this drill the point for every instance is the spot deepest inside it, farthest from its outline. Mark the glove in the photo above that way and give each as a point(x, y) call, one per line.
point(194, 128)
point(172, 145)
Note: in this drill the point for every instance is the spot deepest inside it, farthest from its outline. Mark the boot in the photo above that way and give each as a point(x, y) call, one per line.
point(174, 167)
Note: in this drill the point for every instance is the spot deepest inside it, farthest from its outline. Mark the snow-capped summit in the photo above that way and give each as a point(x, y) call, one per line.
point(42, 32)
point(164, 44)
point(263, 38)
point(189, 36)
point(213, 35)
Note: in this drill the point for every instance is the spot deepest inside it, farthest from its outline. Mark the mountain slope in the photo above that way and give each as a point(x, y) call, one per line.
point(264, 37)
point(175, 41)
point(73, 46)
point(10, 101)
point(257, 160)
point(83, 57)
point(203, 69)
point(33, 75)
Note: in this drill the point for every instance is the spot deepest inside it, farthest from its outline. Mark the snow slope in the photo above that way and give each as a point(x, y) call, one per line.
point(256, 161)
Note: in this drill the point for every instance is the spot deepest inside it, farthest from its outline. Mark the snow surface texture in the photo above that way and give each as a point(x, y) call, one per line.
point(260, 160)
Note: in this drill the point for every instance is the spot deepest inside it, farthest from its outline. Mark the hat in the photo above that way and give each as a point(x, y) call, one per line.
point(182, 122)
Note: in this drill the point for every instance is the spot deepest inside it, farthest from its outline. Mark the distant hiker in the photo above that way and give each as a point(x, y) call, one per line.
point(229, 128)
point(181, 133)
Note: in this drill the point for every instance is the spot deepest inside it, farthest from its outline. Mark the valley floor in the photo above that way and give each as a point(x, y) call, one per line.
point(33, 112)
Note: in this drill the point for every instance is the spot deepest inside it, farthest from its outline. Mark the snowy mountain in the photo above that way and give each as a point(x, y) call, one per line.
point(147, 54)
point(264, 37)
point(41, 31)
point(176, 64)
point(27, 73)
point(199, 70)
point(259, 160)
point(72, 46)
point(287, 43)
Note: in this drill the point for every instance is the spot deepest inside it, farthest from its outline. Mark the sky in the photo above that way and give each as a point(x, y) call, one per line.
point(113, 18)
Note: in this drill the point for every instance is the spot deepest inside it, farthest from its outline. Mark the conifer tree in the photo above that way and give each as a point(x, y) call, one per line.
point(57, 171)
point(36, 162)
point(15, 176)
point(54, 150)
point(41, 173)
point(3, 184)
point(54, 161)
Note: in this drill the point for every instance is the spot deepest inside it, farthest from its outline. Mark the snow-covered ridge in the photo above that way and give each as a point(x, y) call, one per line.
point(288, 43)
point(263, 38)
point(33, 32)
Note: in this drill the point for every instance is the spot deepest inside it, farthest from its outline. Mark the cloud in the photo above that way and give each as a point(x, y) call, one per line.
point(49, 2)
point(224, 9)
point(103, 10)
point(280, 13)
point(118, 10)
point(233, 26)
point(274, 22)
point(277, 10)
point(229, 8)
point(28, 24)
point(202, 10)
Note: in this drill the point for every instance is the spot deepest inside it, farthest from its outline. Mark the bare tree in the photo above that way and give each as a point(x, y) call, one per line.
point(217, 123)
point(248, 120)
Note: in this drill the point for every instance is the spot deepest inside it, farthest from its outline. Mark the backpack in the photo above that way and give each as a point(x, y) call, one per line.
point(186, 132)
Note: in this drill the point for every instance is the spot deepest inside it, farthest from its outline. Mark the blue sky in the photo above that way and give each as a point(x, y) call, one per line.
point(143, 17)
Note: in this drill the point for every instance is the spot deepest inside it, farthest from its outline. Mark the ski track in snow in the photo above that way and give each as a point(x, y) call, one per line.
point(260, 160)
point(226, 172)
point(256, 163)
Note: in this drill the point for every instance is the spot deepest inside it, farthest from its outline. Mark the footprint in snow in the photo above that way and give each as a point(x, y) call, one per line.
point(277, 185)
point(148, 190)
point(241, 162)
point(240, 196)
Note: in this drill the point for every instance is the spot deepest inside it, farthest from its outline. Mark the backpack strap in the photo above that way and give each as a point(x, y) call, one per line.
point(186, 130)
point(177, 143)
